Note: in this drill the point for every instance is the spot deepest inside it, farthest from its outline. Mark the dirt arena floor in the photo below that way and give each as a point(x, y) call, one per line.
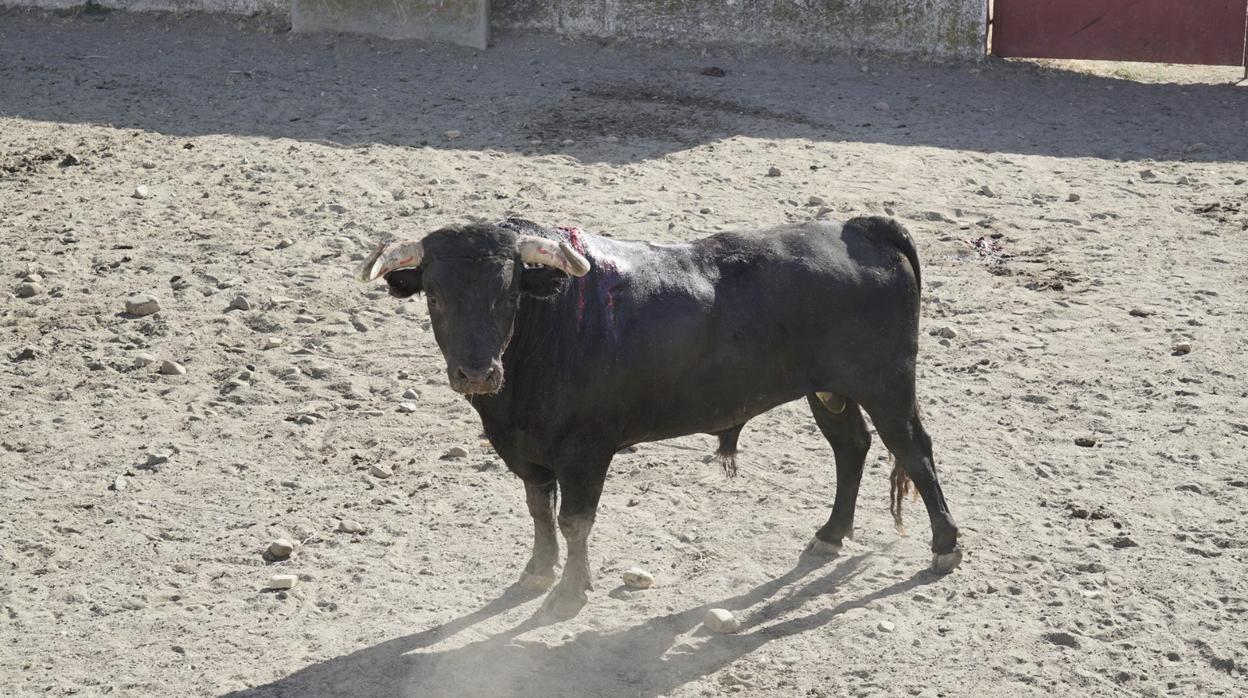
point(1084, 239)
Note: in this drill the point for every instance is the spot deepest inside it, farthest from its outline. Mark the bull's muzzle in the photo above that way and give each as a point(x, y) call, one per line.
point(484, 379)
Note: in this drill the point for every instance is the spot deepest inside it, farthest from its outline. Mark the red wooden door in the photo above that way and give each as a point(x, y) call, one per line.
point(1211, 32)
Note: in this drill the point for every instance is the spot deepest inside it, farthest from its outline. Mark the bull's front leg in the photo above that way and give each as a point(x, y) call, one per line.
point(581, 474)
point(539, 573)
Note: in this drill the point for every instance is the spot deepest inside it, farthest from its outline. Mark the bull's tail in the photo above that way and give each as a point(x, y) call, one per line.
point(888, 230)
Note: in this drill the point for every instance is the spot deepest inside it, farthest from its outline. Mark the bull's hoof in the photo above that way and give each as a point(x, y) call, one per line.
point(536, 582)
point(944, 563)
point(562, 605)
point(822, 548)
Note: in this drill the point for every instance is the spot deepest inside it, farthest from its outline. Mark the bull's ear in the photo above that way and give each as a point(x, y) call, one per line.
point(542, 282)
point(404, 283)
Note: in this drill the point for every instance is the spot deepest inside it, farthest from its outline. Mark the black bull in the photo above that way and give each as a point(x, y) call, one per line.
point(659, 341)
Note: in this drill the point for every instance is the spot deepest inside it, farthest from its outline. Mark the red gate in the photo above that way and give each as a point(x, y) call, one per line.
point(1211, 32)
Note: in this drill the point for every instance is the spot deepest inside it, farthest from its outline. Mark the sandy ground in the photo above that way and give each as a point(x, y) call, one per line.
point(272, 162)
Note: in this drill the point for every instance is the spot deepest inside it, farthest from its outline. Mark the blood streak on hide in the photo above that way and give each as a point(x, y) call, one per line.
point(604, 274)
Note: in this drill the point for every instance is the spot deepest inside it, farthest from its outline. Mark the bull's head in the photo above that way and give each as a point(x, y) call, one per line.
point(473, 278)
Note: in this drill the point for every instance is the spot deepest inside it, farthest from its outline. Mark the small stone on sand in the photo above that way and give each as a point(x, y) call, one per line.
point(637, 578)
point(349, 526)
point(281, 549)
point(816, 201)
point(273, 342)
point(172, 368)
point(987, 191)
point(142, 304)
point(143, 359)
point(881, 106)
point(379, 472)
point(410, 394)
point(773, 172)
point(1085, 441)
point(719, 620)
point(452, 134)
point(28, 290)
point(407, 407)
point(240, 303)
point(456, 452)
point(886, 626)
point(140, 192)
point(1182, 348)
point(283, 581)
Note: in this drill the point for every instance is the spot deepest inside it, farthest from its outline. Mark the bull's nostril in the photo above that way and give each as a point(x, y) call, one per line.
point(492, 374)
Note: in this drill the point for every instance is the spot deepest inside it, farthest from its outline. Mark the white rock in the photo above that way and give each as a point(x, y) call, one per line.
point(349, 526)
point(281, 549)
point(456, 452)
point(284, 243)
point(240, 303)
point(172, 368)
point(379, 472)
point(142, 304)
point(283, 581)
point(452, 134)
point(987, 191)
point(143, 359)
point(410, 394)
point(886, 626)
point(719, 620)
point(273, 342)
point(119, 483)
point(637, 578)
point(881, 106)
point(407, 407)
point(140, 192)
point(28, 290)
point(1183, 348)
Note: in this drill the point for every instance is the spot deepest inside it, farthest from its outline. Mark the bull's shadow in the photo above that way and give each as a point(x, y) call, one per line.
point(638, 661)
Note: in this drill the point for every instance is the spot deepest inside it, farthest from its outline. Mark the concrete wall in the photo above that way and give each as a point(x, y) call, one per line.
point(922, 28)
point(928, 28)
point(464, 22)
point(240, 7)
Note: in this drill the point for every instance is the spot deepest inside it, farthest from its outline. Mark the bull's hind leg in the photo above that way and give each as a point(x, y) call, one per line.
point(841, 422)
point(896, 419)
point(539, 573)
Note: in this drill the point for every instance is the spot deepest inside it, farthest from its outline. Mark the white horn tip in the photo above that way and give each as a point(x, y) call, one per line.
point(367, 270)
point(577, 264)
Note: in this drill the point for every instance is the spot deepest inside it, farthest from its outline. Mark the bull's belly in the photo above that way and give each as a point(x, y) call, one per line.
point(708, 412)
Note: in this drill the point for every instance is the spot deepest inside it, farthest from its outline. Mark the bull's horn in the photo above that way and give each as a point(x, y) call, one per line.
point(535, 250)
point(388, 258)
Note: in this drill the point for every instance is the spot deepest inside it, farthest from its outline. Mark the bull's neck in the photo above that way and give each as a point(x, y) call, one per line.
point(531, 362)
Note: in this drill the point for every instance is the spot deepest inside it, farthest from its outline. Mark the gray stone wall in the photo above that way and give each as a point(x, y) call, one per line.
point(927, 28)
point(920, 28)
point(241, 7)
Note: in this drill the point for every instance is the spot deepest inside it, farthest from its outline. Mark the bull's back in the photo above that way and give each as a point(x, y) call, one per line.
point(743, 322)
